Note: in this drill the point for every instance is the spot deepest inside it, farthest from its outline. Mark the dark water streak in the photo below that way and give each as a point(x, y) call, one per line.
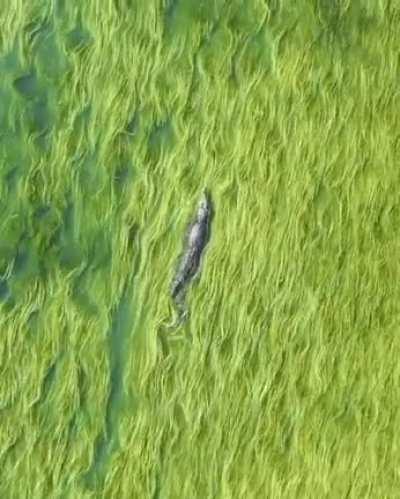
point(118, 335)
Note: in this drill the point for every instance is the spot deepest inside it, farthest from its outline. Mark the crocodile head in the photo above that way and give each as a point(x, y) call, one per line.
point(204, 209)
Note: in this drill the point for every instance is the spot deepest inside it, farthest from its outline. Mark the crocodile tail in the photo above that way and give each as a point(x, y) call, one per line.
point(177, 288)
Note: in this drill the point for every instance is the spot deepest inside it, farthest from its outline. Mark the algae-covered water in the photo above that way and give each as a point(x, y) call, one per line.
point(284, 382)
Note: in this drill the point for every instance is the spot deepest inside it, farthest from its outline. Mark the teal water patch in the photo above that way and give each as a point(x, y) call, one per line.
point(76, 36)
point(246, 18)
point(10, 63)
point(170, 11)
point(330, 13)
point(132, 127)
point(27, 85)
point(35, 79)
point(37, 111)
point(28, 113)
point(79, 132)
point(123, 7)
point(42, 212)
point(71, 254)
point(181, 16)
point(98, 260)
point(27, 267)
point(122, 181)
point(39, 116)
point(11, 179)
point(133, 245)
point(100, 250)
point(51, 62)
point(83, 387)
point(122, 176)
point(13, 230)
point(343, 25)
point(46, 47)
point(5, 99)
point(68, 220)
point(11, 153)
point(162, 137)
point(78, 39)
point(258, 53)
point(82, 118)
point(45, 227)
point(122, 324)
point(217, 41)
point(21, 259)
point(91, 173)
point(78, 415)
point(81, 295)
point(59, 9)
point(14, 164)
point(4, 290)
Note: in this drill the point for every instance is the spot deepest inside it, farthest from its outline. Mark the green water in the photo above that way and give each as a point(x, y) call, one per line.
point(114, 116)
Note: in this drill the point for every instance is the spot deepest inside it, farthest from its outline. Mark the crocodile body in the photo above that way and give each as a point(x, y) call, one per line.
point(196, 241)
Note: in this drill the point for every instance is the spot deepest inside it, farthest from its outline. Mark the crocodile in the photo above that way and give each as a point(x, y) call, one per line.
point(197, 238)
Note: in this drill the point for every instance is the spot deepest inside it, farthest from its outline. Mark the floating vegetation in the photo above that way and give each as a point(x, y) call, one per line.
point(111, 113)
